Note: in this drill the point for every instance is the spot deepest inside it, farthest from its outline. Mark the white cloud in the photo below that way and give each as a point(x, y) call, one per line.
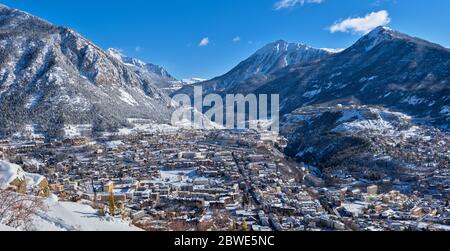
point(283, 4)
point(237, 39)
point(362, 25)
point(204, 42)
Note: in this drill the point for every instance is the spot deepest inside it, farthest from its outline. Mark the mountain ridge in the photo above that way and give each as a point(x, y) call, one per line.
point(384, 67)
point(259, 67)
point(51, 76)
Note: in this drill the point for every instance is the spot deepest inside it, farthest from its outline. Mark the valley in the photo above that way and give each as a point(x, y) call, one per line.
point(364, 141)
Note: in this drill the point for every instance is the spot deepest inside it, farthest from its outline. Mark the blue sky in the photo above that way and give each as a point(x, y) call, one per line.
point(170, 32)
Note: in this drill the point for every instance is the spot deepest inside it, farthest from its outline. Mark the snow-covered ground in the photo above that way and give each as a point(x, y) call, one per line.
point(28, 132)
point(59, 216)
point(140, 125)
point(184, 118)
point(6, 228)
point(372, 119)
point(73, 131)
point(364, 125)
point(69, 216)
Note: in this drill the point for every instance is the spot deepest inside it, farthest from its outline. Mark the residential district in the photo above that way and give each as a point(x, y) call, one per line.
point(236, 180)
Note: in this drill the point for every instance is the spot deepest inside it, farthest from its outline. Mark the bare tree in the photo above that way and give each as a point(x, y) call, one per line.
point(17, 210)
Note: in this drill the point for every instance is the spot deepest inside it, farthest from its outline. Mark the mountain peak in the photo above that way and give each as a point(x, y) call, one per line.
point(376, 37)
point(282, 46)
point(383, 34)
point(381, 29)
point(162, 76)
point(259, 67)
point(119, 55)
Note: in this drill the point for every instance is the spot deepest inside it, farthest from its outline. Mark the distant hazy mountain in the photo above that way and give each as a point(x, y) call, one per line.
point(258, 68)
point(51, 76)
point(385, 67)
point(191, 81)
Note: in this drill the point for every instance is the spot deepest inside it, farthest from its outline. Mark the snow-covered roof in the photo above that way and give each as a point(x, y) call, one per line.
point(10, 172)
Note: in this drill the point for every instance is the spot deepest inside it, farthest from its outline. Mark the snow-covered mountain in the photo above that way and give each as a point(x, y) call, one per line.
point(277, 55)
point(385, 67)
point(258, 68)
point(51, 76)
point(191, 81)
point(151, 73)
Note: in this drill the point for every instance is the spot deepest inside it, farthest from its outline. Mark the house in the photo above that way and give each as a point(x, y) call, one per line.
point(57, 188)
point(372, 190)
point(79, 141)
point(108, 187)
point(14, 178)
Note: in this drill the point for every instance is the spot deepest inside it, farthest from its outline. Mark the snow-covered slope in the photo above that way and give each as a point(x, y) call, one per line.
point(59, 216)
point(374, 120)
point(6, 228)
point(69, 216)
point(354, 119)
point(51, 76)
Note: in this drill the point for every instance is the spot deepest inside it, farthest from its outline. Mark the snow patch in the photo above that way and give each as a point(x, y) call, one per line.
point(333, 50)
point(413, 100)
point(365, 125)
point(73, 131)
point(127, 98)
point(446, 111)
point(32, 101)
point(312, 93)
point(69, 216)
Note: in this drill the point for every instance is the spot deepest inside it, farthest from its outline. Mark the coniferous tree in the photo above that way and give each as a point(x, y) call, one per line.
point(244, 226)
point(112, 204)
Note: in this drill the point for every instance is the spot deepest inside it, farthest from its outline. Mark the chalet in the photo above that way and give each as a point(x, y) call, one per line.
point(79, 141)
point(13, 177)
